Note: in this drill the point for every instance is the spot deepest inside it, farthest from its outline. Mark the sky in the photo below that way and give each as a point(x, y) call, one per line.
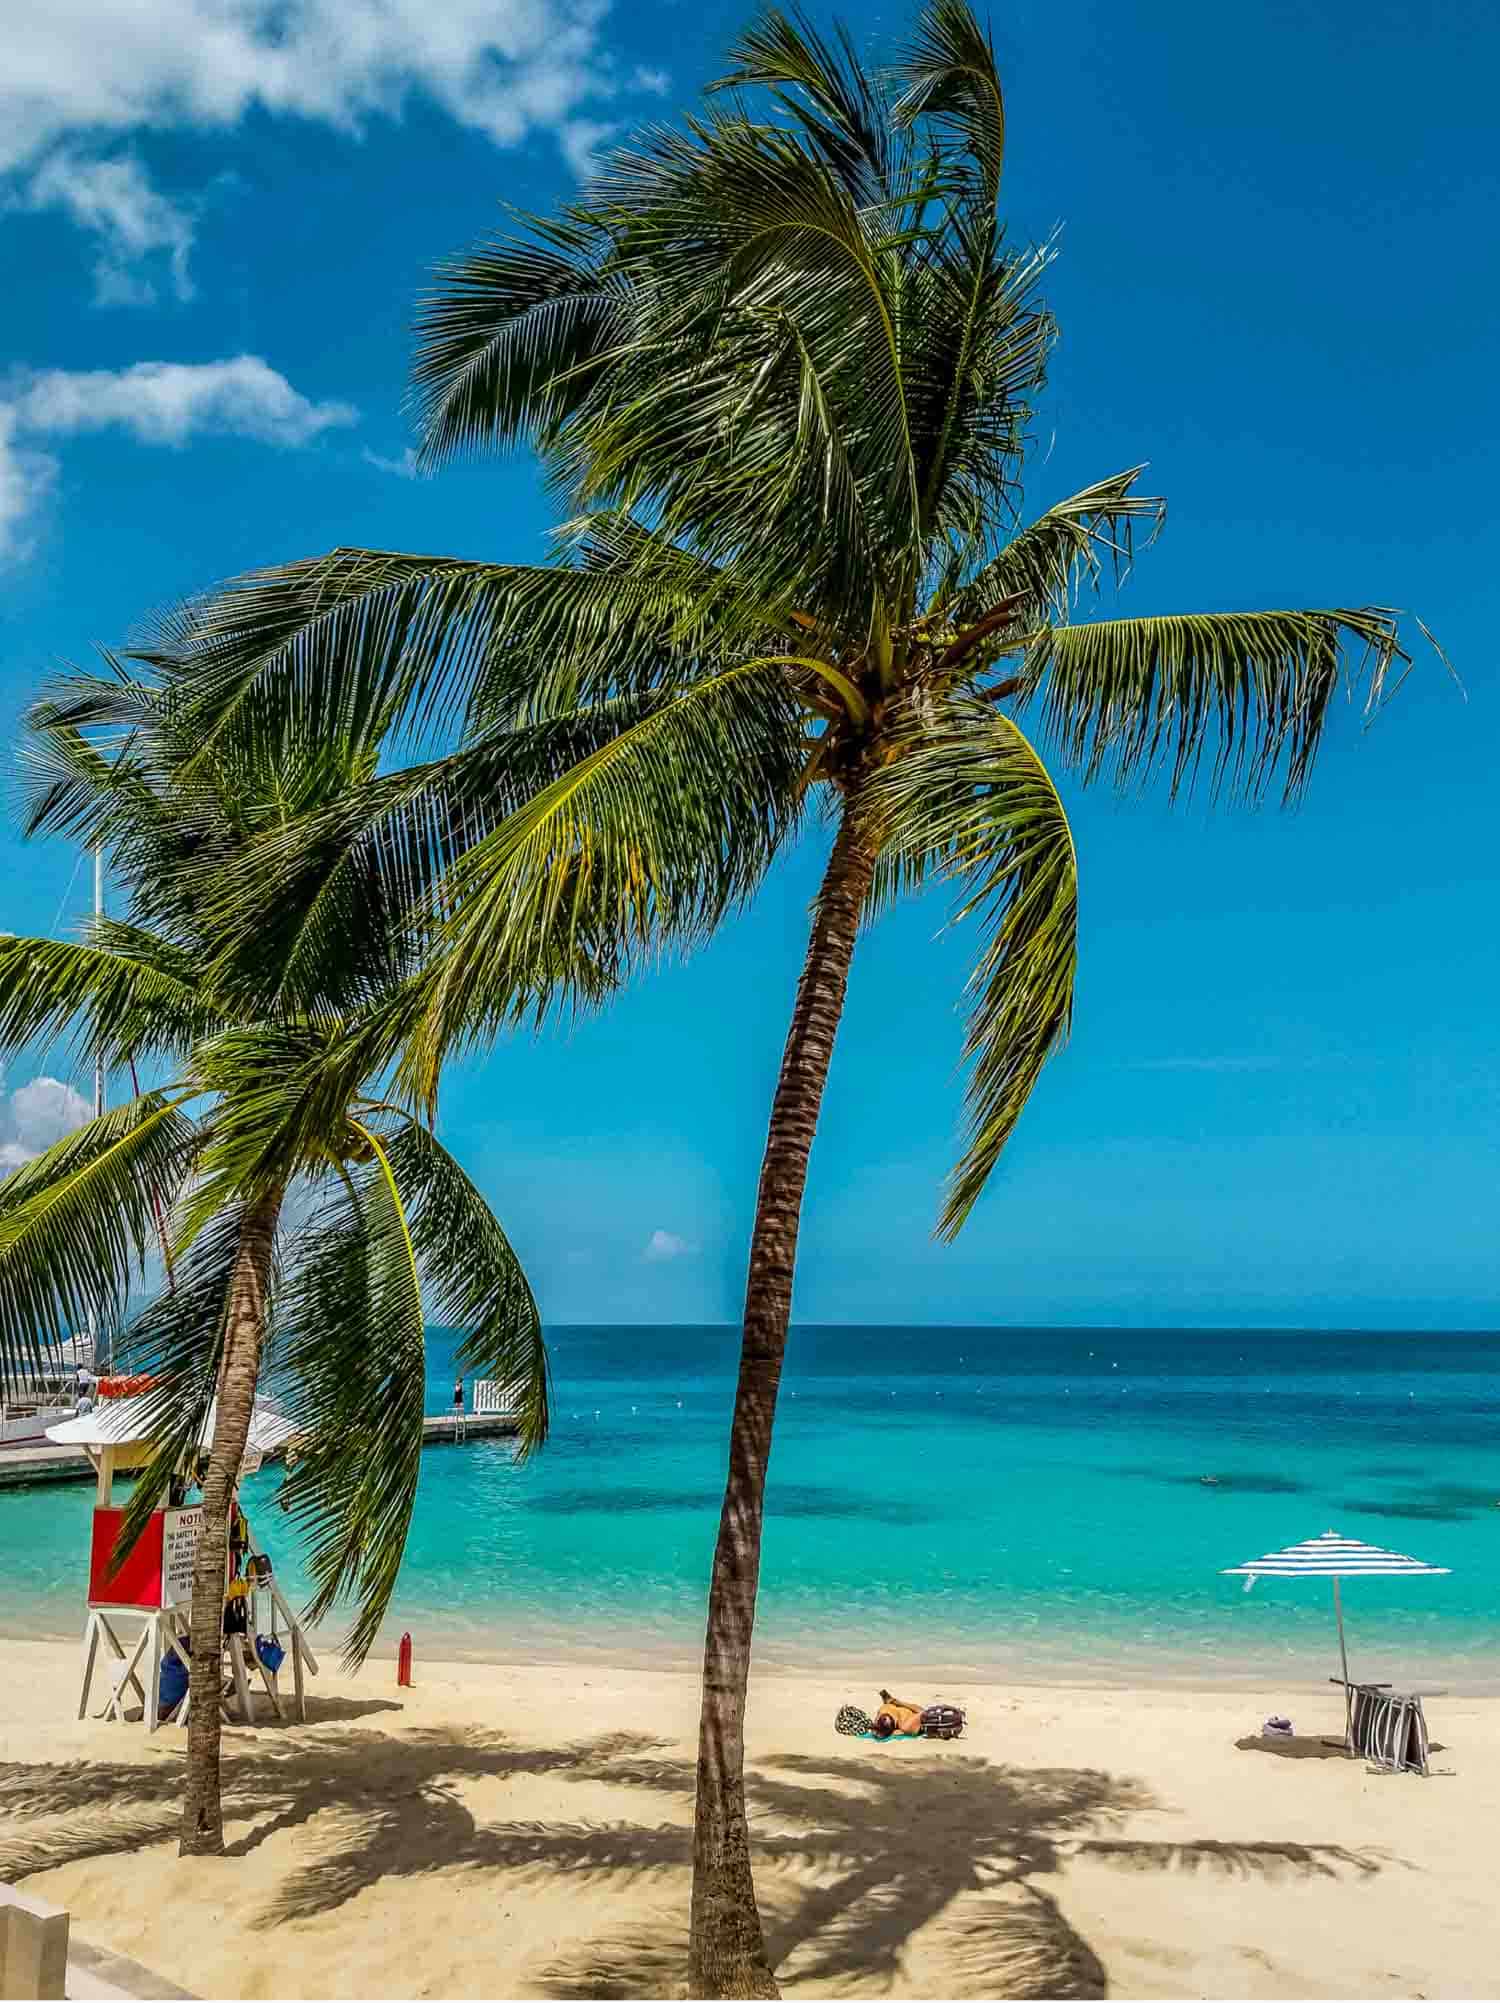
point(1275, 283)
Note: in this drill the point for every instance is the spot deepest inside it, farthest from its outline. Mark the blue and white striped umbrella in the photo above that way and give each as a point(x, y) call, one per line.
point(1330, 1557)
point(1334, 1557)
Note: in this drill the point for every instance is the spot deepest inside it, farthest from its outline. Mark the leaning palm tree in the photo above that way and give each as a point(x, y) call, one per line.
point(781, 366)
point(283, 1187)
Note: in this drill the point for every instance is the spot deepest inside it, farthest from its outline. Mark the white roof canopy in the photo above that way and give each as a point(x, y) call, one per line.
point(118, 1422)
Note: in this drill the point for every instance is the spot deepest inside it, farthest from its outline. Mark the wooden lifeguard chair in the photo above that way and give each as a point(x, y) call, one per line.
point(153, 1586)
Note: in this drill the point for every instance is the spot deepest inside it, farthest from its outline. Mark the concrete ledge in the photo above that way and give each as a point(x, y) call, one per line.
point(98, 1975)
point(33, 1948)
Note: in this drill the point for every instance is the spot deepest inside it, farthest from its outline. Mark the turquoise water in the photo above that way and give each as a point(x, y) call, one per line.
point(983, 1501)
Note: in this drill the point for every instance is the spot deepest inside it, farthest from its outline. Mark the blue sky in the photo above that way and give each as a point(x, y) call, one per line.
point(1275, 283)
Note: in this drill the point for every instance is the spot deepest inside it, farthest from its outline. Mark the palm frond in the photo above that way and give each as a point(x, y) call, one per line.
point(652, 837)
point(976, 344)
point(355, 1358)
point(967, 799)
point(840, 108)
point(339, 646)
point(328, 912)
point(78, 1223)
point(280, 1097)
point(471, 1278)
point(82, 773)
point(952, 81)
point(738, 230)
point(352, 647)
point(1134, 697)
point(1041, 570)
point(509, 339)
point(178, 1340)
point(122, 993)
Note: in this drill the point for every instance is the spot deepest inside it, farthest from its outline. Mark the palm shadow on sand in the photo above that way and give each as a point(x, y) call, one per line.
point(869, 1869)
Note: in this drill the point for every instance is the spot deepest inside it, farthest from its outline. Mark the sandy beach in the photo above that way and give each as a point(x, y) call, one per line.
point(508, 1831)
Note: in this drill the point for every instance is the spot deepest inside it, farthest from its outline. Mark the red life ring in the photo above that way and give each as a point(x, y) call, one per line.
point(125, 1387)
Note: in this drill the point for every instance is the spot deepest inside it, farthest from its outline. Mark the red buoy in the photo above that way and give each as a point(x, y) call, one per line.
point(403, 1664)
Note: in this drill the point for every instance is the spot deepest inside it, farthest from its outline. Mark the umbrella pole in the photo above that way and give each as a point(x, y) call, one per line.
point(1338, 1614)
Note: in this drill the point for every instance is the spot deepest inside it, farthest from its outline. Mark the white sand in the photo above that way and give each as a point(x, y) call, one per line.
point(523, 1832)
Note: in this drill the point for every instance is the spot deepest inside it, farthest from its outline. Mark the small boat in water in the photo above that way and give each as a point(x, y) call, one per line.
point(31, 1403)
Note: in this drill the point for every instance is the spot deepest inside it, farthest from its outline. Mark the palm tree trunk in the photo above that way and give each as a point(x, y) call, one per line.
point(726, 1952)
point(244, 1333)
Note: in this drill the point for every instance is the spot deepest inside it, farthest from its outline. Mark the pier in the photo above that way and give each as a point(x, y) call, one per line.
point(22, 1465)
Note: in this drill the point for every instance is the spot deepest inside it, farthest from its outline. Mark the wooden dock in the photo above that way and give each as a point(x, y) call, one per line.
point(20, 1466)
point(448, 1429)
point(46, 1463)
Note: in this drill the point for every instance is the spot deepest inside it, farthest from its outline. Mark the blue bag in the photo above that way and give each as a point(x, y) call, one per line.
point(174, 1681)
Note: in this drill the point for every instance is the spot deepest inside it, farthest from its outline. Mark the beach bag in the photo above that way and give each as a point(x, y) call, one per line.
point(942, 1721)
point(853, 1723)
point(173, 1686)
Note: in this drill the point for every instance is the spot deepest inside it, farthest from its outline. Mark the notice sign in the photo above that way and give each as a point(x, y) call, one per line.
point(178, 1548)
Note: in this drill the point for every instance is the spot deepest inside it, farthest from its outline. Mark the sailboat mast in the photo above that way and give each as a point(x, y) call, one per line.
point(98, 913)
point(99, 1087)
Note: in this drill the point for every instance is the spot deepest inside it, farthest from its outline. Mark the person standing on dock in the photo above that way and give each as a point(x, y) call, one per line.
point(458, 1408)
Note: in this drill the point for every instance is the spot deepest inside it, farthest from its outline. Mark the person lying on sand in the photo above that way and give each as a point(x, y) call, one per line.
point(895, 1717)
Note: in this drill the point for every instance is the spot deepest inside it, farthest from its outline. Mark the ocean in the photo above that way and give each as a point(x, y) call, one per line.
point(1011, 1503)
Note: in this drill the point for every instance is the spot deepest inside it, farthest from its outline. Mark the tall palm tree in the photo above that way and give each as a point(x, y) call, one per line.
point(780, 364)
point(387, 1230)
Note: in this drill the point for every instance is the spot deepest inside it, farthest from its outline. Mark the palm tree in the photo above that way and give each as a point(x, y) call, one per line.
point(781, 365)
point(258, 1106)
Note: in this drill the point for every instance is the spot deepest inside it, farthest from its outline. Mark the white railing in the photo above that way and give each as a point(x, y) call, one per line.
point(27, 1425)
point(491, 1399)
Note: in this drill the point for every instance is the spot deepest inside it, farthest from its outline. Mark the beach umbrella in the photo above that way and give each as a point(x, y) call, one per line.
point(1334, 1557)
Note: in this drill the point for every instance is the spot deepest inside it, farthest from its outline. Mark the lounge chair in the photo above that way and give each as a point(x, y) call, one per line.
point(1387, 1727)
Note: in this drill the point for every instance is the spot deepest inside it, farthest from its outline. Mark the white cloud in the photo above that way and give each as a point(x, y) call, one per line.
point(404, 468)
point(114, 199)
point(166, 403)
point(25, 476)
point(506, 68)
point(666, 1245)
point(34, 1116)
point(158, 403)
point(582, 140)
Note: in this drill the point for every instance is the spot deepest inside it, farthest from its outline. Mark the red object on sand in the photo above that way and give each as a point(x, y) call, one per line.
point(403, 1664)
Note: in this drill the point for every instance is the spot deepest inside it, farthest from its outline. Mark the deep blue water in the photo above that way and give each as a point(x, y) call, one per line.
point(988, 1500)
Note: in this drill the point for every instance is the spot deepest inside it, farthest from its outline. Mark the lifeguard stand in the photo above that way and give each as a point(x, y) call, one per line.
point(153, 1585)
